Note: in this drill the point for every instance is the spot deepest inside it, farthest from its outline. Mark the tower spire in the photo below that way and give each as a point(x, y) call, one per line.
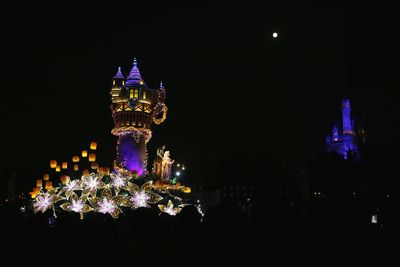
point(346, 117)
point(119, 74)
point(134, 76)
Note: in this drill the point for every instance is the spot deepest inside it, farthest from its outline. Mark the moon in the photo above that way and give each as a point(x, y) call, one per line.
point(275, 35)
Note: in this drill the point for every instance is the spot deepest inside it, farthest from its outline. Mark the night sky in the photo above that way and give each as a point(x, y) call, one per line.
point(230, 85)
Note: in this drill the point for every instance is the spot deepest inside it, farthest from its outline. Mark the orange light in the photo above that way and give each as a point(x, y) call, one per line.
point(92, 157)
point(84, 153)
point(58, 168)
point(105, 170)
point(187, 190)
point(85, 172)
point(94, 165)
point(39, 183)
point(53, 164)
point(33, 195)
point(75, 159)
point(46, 176)
point(49, 185)
point(76, 167)
point(36, 190)
point(65, 179)
point(93, 145)
point(64, 165)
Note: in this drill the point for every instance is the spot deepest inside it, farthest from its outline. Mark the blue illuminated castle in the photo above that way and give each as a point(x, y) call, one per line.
point(347, 142)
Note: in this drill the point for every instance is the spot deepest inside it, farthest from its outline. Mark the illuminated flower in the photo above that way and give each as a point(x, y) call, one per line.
point(71, 187)
point(91, 184)
point(77, 205)
point(118, 181)
point(45, 201)
point(107, 203)
point(140, 197)
point(169, 208)
point(107, 206)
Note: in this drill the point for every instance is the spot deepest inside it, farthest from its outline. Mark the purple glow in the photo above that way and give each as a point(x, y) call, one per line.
point(131, 153)
point(346, 116)
point(119, 74)
point(335, 133)
point(344, 143)
point(134, 76)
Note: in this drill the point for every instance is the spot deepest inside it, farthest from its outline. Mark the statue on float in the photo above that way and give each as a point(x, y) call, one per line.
point(163, 164)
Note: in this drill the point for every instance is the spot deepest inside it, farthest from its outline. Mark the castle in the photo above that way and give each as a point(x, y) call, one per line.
point(346, 142)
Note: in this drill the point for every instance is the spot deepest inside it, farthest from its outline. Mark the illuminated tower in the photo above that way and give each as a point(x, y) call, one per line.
point(347, 142)
point(346, 117)
point(135, 106)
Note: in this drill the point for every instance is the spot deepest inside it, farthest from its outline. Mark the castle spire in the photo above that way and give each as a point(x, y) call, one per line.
point(346, 117)
point(134, 77)
point(119, 74)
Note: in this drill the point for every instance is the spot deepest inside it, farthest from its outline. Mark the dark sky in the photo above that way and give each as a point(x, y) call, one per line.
point(230, 85)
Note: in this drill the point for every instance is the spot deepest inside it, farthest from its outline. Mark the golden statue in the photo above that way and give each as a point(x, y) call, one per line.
point(166, 166)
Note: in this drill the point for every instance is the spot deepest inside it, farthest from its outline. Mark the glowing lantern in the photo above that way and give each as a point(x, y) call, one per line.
point(64, 165)
point(33, 195)
point(58, 169)
point(65, 179)
point(49, 185)
point(39, 183)
point(36, 190)
point(75, 159)
point(187, 190)
point(46, 176)
point(84, 153)
point(53, 164)
point(85, 172)
point(76, 167)
point(94, 165)
point(93, 145)
point(92, 157)
point(105, 170)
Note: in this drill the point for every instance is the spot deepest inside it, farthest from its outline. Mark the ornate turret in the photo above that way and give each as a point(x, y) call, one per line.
point(119, 75)
point(134, 77)
point(117, 82)
point(134, 109)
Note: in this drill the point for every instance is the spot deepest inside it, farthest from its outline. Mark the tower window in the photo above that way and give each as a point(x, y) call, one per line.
point(123, 82)
point(136, 93)
point(144, 94)
point(113, 82)
point(131, 93)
